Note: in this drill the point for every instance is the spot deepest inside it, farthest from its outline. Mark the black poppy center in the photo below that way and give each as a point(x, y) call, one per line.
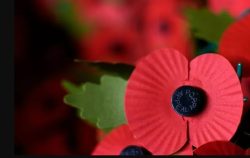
point(164, 27)
point(133, 150)
point(188, 100)
point(118, 47)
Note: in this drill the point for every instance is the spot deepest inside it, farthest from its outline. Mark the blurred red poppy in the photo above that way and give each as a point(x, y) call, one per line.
point(44, 107)
point(234, 7)
point(55, 145)
point(163, 76)
point(112, 45)
point(234, 44)
point(162, 25)
point(104, 13)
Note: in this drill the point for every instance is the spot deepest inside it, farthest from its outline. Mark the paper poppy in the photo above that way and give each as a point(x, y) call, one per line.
point(162, 25)
point(169, 99)
point(234, 44)
point(114, 143)
point(219, 148)
point(121, 137)
point(234, 7)
point(112, 45)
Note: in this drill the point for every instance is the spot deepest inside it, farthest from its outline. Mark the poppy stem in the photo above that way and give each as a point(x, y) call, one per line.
point(239, 70)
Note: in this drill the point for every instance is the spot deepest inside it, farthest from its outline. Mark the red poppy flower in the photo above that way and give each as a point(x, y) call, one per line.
point(234, 7)
point(162, 26)
point(206, 105)
point(116, 141)
point(219, 148)
point(55, 145)
point(112, 45)
point(122, 138)
point(102, 12)
point(43, 108)
point(234, 44)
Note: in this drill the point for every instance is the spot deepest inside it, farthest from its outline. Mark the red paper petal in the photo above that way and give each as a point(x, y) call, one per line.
point(187, 149)
point(219, 148)
point(115, 142)
point(149, 112)
point(234, 44)
point(221, 116)
point(234, 7)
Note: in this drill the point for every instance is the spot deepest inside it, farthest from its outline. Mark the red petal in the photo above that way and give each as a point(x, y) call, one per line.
point(219, 148)
point(234, 44)
point(221, 116)
point(100, 46)
point(160, 13)
point(115, 142)
point(234, 7)
point(187, 149)
point(150, 115)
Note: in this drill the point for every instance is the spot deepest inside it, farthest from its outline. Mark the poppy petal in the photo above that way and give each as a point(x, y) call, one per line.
point(163, 26)
point(234, 7)
point(150, 115)
point(234, 44)
point(219, 148)
point(187, 149)
point(224, 105)
point(115, 142)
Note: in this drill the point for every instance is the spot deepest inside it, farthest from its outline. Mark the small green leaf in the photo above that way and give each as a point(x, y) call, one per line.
point(101, 104)
point(207, 25)
point(115, 69)
point(71, 87)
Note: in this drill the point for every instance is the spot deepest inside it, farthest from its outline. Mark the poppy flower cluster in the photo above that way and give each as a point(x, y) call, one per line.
point(174, 102)
point(140, 26)
point(182, 103)
point(197, 104)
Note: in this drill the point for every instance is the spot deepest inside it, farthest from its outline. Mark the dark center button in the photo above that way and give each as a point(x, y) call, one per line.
point(188, 100)
point(118, 47)
point(133, 150)
point(164, 27)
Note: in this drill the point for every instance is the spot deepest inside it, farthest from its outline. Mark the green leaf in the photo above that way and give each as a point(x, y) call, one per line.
point(101, 104)
point(71, 87)
point(207, 25)
point(115, 69)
